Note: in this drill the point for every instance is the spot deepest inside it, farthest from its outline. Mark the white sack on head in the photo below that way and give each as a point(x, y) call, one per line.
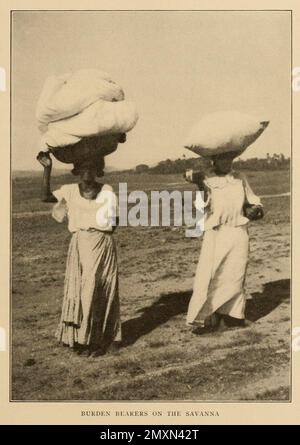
point(99, 118)
point(223, 132)
point(70, 93)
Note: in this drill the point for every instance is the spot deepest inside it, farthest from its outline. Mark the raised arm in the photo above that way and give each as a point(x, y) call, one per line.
point(199, 180)
point(45, 160)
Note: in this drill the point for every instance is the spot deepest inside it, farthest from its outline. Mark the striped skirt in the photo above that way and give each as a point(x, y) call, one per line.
point(220, 275)
point(90, 309)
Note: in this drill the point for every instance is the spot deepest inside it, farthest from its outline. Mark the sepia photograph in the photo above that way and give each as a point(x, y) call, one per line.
point(151, 206)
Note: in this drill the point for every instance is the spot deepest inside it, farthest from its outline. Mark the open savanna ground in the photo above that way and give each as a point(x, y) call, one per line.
point(161, 359)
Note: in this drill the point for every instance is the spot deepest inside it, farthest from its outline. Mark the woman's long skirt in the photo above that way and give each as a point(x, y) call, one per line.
point(90, 310)
point(220, 275)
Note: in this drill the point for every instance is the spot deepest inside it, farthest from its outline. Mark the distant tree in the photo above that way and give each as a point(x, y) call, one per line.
point(142, 168)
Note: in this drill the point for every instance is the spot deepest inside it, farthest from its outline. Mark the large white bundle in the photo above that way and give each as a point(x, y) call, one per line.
point(222, 132)
point(70, 93)
point(82, 104)
point(99, 118)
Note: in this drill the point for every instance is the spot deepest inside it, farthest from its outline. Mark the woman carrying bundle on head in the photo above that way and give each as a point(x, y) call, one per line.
point(229, 203)
point(90, 318)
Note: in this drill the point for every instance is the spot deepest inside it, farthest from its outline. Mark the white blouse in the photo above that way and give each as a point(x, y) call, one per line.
point(226, 198)
point(82, 213)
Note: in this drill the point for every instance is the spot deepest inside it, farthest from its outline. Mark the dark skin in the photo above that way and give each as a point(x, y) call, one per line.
point(88, 186)
point(222, 166)
point(45, 160)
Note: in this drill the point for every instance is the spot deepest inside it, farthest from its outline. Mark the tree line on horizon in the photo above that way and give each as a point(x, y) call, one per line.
point(168, 166)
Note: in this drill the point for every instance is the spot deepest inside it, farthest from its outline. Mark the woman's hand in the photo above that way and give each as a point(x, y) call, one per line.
point(194, 177)
point(254, 212)
point(44, 159)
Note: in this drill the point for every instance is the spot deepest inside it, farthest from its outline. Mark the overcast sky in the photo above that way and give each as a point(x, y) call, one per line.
point(176, 66)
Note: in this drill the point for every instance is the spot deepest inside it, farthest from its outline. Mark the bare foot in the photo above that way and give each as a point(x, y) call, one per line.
point(82, 350)
point(114, 347)
point(222, 326)
point(97, 352)
point(85, 353)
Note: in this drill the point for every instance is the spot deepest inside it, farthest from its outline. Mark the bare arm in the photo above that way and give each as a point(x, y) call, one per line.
point(203, 188)
point(115, 225)
point(45, 160)
point(199, 180)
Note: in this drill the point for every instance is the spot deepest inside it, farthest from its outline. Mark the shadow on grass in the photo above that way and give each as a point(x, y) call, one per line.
point(172, 304)
point(262, 303)
point(166, 307)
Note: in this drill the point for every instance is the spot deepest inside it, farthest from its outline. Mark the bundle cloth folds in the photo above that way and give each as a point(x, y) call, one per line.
point(82, 104)
point(223, 132)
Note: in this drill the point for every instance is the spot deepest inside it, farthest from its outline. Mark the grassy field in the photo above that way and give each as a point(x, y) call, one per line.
point(160, 358)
